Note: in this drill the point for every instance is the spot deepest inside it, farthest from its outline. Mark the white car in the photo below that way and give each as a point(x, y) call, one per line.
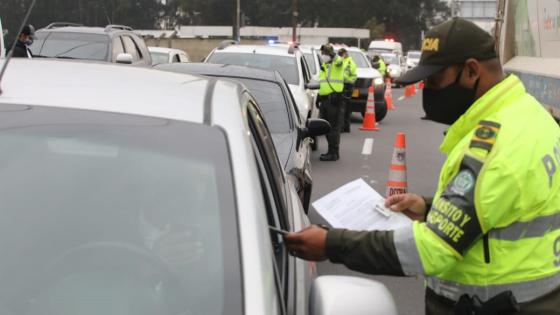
point(289, 61)
point(312, 55)
point(412, 58)
point(2, 46)
point(133, 191)
point(395, 66)
point(167, 55)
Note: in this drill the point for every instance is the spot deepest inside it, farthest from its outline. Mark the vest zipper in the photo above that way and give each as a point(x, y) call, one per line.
point(486, 248)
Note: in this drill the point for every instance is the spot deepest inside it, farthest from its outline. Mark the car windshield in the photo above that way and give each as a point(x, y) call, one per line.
point(310, 62)
point(159, 58)
point(71, 45)
point(414, 55)
point(359, 59)
point(390, 59)
point(285, 65)
point(115, 214)
point(272, 102)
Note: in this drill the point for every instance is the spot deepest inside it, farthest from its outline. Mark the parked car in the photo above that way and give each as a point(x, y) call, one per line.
point(395, 66)
point(167, 55)
point(133, 191)
point(113, 43)
point(367, 76)
point(289, 61)
point(312, 56)
point(2, 46)
point(275, 99)
point(412, 58)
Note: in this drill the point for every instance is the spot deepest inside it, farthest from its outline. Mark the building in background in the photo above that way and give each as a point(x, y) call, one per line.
point(481, 12)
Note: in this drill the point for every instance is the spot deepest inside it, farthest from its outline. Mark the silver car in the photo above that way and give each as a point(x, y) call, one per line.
point(133, 191)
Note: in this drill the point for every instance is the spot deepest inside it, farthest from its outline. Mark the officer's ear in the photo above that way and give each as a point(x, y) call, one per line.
point(471, 72)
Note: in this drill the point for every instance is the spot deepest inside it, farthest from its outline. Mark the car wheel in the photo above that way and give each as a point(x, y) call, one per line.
point(380, 112)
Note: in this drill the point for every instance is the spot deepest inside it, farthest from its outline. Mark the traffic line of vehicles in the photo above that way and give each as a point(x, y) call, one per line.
point(153, 189)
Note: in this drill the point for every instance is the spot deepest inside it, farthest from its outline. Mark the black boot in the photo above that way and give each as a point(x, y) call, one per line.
point(329, 157)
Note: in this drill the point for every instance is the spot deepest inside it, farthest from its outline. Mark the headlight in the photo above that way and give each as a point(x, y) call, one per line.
point(378, 81)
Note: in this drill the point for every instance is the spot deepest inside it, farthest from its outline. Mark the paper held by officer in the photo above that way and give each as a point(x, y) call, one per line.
point(357, 206)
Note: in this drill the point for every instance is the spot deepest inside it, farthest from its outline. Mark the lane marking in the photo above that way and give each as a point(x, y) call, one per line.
point(401, 98)
point(368, 146)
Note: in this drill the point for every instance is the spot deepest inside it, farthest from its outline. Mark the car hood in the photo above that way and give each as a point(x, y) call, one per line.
point(394, 67)
point(283, 144)
point(301, 100)
point(367, 73)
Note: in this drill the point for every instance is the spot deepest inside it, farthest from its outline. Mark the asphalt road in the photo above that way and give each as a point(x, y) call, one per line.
point(423, 162)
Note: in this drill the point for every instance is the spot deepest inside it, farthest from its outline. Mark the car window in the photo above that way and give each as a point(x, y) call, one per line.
point(130, 48)
point(118, 47)
point(359, 59)
point(71, 45)
point(293, 103)
point(159, 58)
point(271, 100)
point(116, 207)
point(176, 58)
point(274, 196)
point(310, 62)
point(184, 58)
point(287, 66)
point(414, 55)
point(305, 70)
point(390, 59)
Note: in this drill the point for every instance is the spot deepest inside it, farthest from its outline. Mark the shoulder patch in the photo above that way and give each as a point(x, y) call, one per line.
point(485, 135)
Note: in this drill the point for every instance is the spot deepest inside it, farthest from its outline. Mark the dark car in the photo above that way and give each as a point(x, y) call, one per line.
point(280, 112)
point(114, 43)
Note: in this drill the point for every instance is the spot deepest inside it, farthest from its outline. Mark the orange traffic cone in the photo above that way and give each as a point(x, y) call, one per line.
point(369, 123)
point(389, 95)
point(397, 184)
point(421, 85)
point(408, 90)
point(413, 87)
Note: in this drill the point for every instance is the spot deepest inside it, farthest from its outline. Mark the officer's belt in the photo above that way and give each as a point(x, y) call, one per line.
point(537, 227)
point(523, 291)
point(331, 81)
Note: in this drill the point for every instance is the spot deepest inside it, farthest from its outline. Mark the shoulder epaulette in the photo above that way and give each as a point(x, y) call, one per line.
point(485, 135)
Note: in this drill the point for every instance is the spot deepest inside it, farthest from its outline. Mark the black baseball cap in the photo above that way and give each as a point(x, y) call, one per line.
point(450, 43)
point(28, 30)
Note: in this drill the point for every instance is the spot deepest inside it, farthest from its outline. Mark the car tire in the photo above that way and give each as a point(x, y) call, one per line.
point(380, 112)
point(314, 144)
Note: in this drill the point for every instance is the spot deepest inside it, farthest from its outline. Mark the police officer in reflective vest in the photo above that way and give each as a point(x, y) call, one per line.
point(489, 240)
point(350, 76)
point(331, 79)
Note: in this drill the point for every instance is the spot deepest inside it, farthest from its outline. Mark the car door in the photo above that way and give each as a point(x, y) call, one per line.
point(307, 77)
point(282, 206)
point(130, 47)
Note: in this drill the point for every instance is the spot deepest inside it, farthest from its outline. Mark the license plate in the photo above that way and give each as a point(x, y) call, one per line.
point(356, 93)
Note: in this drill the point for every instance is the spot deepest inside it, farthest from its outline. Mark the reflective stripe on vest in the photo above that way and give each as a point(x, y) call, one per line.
point(523, 291)
point(537, 227)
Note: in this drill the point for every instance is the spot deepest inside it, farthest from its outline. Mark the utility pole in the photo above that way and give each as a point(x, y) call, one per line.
point(295, 15)
point(236, 20)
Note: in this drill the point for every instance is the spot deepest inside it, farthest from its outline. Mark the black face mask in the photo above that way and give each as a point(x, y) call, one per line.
point(448, 104)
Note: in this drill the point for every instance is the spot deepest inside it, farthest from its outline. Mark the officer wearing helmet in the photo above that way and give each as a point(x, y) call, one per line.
point(330, 98)
point(25, 39)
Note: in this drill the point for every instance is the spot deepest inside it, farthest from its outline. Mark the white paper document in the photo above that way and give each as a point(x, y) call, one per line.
point(357, 206)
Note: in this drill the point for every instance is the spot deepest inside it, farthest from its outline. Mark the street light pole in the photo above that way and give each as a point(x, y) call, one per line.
point(236, 20)
point(295, 15)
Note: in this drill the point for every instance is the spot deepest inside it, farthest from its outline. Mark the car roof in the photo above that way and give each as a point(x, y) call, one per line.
point(211, 69)
point(82, 29)
point(257, 49)
point(164, 49)
point(104, 87)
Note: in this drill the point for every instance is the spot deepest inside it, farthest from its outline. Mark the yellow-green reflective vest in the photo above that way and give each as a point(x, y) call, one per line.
point(494, 225)
point(331, 77)
point(350, 70)
point(382, 67)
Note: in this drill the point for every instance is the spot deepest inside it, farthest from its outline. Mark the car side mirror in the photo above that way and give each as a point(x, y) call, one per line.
point(315, 127)
point(313, 85)
point(350, 296)
point(124, 58)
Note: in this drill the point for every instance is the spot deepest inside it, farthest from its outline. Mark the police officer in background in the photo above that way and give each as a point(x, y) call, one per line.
point(330, 100)
point(25, 39)
point(489, 240)
point(350, 76)
point(379, 64)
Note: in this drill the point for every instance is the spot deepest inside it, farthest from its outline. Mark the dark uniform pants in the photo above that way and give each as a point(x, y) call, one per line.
point(347, 106)
point(332, 110)
point(548, 304)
